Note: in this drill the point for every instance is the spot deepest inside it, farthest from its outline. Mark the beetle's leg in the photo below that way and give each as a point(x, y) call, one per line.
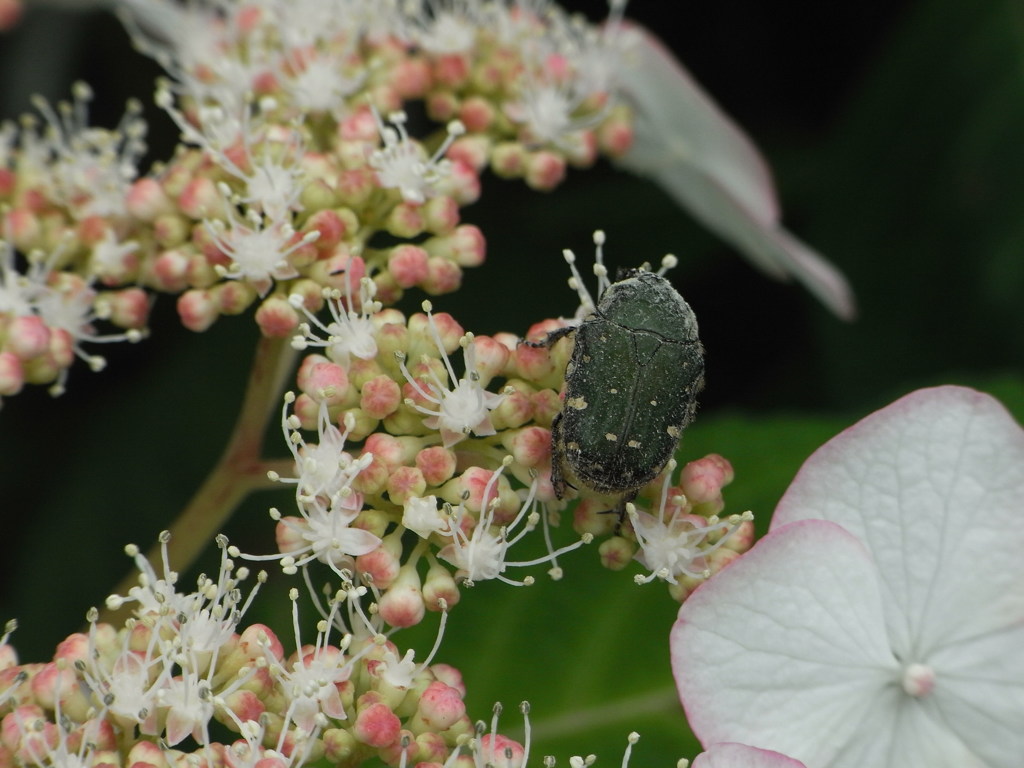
point(557, 454)
point(549, 341)
point(620, 510)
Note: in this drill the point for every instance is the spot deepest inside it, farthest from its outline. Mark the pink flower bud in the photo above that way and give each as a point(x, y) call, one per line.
point(402, 604)
point(404, 483)
point(233, 297)
point(472, 150)
point(742, 538)
point(411, 78)
point(471, 489)
point(170, 270)
point(200, 199)
point(146, 200)
point(545, 170)
point(452, 70)
point(477, 114)
point(616, 552)
point(376, 725)
point(590, 516)
point(12, 379)
point(440, 585)
point(23, 229)
point(508, 160)
point(497, 748)
point(276, 317)
point(355, 186)
point(28, 337)
point(437, 464)
point(331, 226)
point(440, 707)
point(380, 397)
point(615, 135)
point(515, 409)
point(702, 480)
point(171, 230)
point(129, 307)
point(461, 183)
point(443, 276)
point(491, 358)
point(441, 215)
point(326, 382)
point(546, 405)
point(374, 478)
point(146, 753)
point(382, 564)
point(256, 639)
point(340, 746)
point(197, 310)
point(396, 755)
point(533, 363)
point(62, 348)
point(392, 451)
point(530, 446)
point(405, 220)
point(408, 265)
point(307, 409)
point(442, 106)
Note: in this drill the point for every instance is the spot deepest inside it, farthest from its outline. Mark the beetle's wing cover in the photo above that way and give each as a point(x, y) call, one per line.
point(628, 399)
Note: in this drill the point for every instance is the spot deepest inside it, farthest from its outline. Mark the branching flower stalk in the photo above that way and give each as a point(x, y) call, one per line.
point(305, 191)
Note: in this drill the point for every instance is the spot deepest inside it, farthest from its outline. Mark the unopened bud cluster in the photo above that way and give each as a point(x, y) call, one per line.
point(412, 439)
point(150, 692)
point(299, 168)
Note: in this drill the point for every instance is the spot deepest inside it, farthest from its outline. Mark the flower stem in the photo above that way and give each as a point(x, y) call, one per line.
point(239, 471)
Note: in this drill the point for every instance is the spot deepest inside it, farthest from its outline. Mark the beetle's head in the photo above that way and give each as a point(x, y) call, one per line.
point(625, 273)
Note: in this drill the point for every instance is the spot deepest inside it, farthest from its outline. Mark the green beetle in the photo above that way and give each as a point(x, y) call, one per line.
point(630, 388)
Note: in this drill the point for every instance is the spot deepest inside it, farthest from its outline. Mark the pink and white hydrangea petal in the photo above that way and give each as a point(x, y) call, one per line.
point(731, 755)
point(814, 662)
point(932, 486)
point(704, 161)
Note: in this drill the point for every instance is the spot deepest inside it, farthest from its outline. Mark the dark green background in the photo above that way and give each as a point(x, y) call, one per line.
point(896, 130)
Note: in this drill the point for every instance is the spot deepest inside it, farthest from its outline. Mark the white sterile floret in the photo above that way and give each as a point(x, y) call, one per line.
point(443, 27)
point(422, 516)
point(480, 556)
point(678, 546)
point(401, 673)
point(259, 249)
point(90, 170)
point(324, 496)
point(110, 253)
point(311, 679)
point(461, 411)
point(402, 163)
point(350, 333)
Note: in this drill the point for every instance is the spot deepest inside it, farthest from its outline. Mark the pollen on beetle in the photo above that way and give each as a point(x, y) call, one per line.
point(611, 437)
point(576, 402)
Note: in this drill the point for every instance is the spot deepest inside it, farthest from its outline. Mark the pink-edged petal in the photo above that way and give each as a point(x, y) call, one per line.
point(741, 756)
point(933, 485)
point(708, 165)
point(675, 115)
point(786, 644)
